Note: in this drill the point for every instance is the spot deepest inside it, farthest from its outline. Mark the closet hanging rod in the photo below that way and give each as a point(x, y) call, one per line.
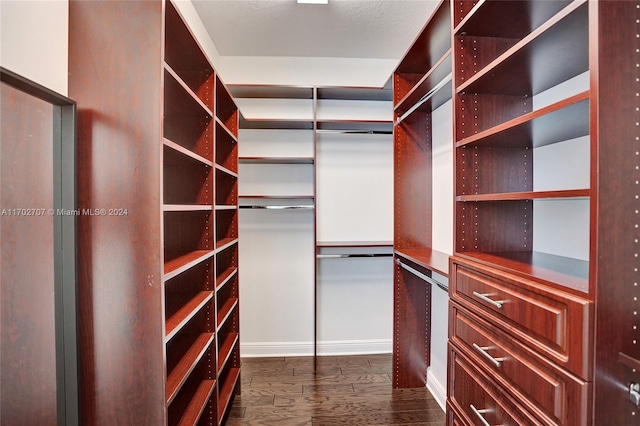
point(422, 276)
point(263, 207)
point(345, 255)
point(357, 132)
point(426, 97)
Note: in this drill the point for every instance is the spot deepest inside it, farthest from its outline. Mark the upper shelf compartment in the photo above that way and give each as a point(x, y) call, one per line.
point(185, 57)
point(226, 109)
point(505, 19)
point(431, 45)
point(554, 52)
point(187, 122)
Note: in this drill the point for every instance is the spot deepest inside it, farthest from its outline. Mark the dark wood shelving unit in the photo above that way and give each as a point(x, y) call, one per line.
point(519, 306)
point(277, 160)
point(226, 230)
point(178, 142)
point(421, 83)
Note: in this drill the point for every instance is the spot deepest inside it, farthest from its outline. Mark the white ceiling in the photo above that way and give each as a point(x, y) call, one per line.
point(342, 29)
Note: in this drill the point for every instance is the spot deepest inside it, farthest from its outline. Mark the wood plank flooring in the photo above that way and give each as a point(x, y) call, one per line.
point(346, 390)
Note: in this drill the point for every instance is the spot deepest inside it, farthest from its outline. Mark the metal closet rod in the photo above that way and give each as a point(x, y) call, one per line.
point(345, 255)
point(288, 207)
point(357, 132)
point(426, 97)
point(422, 276)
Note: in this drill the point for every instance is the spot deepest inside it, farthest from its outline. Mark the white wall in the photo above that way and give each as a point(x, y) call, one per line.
point(188, 12)
point(34, 41)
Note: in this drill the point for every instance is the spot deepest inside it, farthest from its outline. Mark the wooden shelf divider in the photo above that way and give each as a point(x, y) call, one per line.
point(184, 314)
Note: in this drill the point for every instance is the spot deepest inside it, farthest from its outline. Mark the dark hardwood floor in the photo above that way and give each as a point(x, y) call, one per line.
point(347, 390)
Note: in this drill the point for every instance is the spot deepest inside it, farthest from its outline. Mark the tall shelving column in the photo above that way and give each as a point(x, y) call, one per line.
point(522, 275)
point(422, 83)
point(188, 225)
point(226, 265)
point(200, 232)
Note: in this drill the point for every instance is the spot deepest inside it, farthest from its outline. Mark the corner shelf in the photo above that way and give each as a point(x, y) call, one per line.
point(426, 258)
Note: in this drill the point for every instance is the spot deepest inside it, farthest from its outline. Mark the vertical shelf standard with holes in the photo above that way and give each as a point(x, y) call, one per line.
point(163, 340)
point(421, 84)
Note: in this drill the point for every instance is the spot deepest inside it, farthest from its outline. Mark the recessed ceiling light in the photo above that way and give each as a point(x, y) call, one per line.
point(313, 1)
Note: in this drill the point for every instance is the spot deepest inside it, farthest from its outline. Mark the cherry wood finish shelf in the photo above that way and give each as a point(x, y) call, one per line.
point(225, 311)
point(177, 377)
point(226, 348)
point(514, 288)
point(226, 390)
point(551, 54)
point(432, 43)
point(225, 243)
point(573, 273)
point(508, 19)
point(427, 258)
point(558, 122)
point(186, 88)
point(225, 276)
point(429, 92)
point(526, 195)
point(172, 131)
point(184, 151)
point(227, 171)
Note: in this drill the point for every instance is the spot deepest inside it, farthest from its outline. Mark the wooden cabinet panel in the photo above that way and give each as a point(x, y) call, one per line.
point(552, 322)
point(478, 401)
point(554, 395)
point(157, 139)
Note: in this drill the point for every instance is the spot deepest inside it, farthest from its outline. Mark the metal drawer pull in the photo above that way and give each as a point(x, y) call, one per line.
point(483, 351)
point(480, 413)
point(485, 297)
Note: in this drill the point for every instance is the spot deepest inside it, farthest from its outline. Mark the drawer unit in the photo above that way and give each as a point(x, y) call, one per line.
point(552, 322)
point(479, 402)
point(546, 390)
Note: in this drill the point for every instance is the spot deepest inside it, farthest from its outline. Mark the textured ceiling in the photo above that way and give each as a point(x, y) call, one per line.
point(381, 29)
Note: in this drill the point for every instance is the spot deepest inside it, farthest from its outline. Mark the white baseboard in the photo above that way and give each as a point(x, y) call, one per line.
point(438, 390)
point(339, 347)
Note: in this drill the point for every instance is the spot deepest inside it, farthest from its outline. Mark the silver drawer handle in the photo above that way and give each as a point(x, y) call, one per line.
point(480, 413)
point(485, 297)
point(483, 351)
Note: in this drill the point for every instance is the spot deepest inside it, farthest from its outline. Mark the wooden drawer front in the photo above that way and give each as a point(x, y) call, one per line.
point(546, 390)
point(473, 397)
point(555, 324)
